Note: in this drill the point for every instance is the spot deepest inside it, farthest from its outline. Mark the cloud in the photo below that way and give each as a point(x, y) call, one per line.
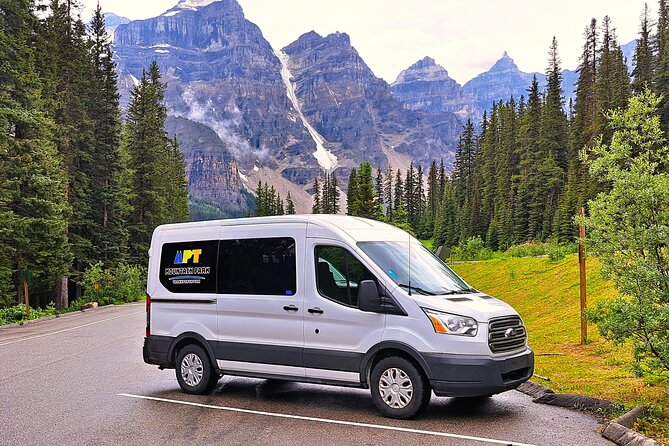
point(465, 36)
point(225, 123)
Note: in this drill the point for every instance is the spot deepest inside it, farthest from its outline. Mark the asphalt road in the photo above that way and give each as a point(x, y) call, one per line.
point(80, 379)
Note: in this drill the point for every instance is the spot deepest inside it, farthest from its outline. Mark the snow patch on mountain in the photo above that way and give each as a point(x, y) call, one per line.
point(190, 4)
point(326, 159)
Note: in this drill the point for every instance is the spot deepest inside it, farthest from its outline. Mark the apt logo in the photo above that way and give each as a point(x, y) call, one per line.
point(185, 256)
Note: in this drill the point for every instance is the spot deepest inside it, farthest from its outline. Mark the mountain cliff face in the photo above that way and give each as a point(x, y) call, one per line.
point(356, 112)
point(503, 80)
point(427, 86)
point(280, 117)
point(222, 74)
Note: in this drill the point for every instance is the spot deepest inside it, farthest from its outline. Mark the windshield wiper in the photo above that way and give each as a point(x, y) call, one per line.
point(415, 288)
point(445, 293)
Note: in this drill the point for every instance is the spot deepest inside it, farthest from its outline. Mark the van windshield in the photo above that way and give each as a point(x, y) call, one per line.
point(429, 275)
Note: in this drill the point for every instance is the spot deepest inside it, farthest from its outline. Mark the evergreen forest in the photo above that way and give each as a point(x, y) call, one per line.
point(80, 184)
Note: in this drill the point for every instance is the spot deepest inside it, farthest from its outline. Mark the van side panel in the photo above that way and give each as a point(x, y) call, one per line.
point(174, 313)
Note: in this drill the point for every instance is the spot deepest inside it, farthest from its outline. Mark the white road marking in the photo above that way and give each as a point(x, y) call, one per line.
point(68, 329)
point(329, 421)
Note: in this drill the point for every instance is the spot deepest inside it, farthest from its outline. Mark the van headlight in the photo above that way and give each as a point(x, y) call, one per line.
point(452, 323)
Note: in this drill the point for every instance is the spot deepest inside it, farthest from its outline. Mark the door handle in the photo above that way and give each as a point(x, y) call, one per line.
point(290, 308)
point(315, 310)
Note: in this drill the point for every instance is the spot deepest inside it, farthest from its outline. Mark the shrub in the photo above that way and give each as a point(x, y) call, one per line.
point(17, 313)
point(628, 231)
point(113, 286)
point(472, 249)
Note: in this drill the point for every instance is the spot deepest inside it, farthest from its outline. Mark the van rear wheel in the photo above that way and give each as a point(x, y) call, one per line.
point(194, 370)
point(399, 389)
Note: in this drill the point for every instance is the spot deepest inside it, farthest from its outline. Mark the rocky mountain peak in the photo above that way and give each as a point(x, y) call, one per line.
point(505, 63)
point(425, 69)
point(226, 7)
point(425, 62)
point(312, 40)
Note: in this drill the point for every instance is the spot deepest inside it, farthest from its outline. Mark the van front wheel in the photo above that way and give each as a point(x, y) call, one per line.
point(399, 389)
point(194, 371)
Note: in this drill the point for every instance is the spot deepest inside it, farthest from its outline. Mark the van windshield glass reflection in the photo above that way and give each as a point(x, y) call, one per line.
point(429, 275)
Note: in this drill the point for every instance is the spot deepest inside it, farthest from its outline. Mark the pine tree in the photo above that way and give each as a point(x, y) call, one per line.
point(584, 131)
point(528, 214)
point(553, 147)
point(158, 180)
point(507, 165)
point(174, 184)
point(271, 201)
point(612, 82)
point(449, 233)
point(442, 177)
point(419, 200)
point(325, 196)
point(334, 194)
point(378, 191)
point(290, 206)
point(279, 206)
point(67, 71)
point(643, 56)
point(388, 196)
point(317, 206)
point(109, 237)
point(661, 80)
point(432, 202)
point(352, 193)
point(398, 199)
point(410, 195)
point(33, 207)
point(366, 202)
point(259, 200)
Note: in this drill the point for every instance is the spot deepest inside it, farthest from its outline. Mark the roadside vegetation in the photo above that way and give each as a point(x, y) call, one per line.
point(116, 286)
point(546, 294)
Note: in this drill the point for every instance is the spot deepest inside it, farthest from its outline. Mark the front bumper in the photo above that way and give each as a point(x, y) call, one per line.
point(471, 376)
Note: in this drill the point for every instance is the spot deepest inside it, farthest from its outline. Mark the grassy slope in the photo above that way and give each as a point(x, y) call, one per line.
point(546, 294)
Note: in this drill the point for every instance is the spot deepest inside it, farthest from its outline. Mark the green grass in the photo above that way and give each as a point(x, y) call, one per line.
point(546, 294)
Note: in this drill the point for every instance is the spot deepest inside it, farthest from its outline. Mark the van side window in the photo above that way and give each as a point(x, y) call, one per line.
point(264, 266)
point(338, 273)
point(189, 267)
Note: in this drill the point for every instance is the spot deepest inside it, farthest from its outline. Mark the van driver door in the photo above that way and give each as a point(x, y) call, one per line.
point(336, 333)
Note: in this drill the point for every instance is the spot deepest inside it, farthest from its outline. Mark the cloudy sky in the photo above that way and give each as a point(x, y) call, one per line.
point(464, 36)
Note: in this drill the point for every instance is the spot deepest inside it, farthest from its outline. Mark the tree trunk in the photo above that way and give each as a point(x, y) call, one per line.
point(26, 296)
point(61, 295)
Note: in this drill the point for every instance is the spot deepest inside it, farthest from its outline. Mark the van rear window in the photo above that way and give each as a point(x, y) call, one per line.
point(264, 266)
point(189, 267)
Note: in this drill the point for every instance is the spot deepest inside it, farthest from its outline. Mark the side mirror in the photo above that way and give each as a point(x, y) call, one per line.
point(368, 296)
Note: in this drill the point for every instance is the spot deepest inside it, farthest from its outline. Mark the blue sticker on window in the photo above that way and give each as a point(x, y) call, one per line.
point(289, 292)
point(392, 274)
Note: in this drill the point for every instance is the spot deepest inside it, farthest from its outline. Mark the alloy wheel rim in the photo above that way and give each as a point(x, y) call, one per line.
point(192, 370)
point(395, 388)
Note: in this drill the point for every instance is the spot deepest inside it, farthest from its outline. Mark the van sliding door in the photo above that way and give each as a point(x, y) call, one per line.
point(260, 299)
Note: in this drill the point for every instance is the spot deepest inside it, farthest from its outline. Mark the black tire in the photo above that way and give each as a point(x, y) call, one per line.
point(399, 404)
point(193, 363)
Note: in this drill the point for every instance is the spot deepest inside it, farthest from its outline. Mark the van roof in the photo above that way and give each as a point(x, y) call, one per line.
point(356, 227)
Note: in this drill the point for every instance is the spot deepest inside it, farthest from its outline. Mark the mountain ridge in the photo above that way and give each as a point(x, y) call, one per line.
point(285, 116)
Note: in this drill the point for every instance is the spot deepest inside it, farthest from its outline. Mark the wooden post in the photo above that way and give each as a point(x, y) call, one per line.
point(581, 262)
point(25, 294)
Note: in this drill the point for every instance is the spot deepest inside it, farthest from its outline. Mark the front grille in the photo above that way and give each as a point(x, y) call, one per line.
point(506, 334)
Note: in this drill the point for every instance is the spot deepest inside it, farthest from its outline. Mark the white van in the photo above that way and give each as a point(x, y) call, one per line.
point(325, 299)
